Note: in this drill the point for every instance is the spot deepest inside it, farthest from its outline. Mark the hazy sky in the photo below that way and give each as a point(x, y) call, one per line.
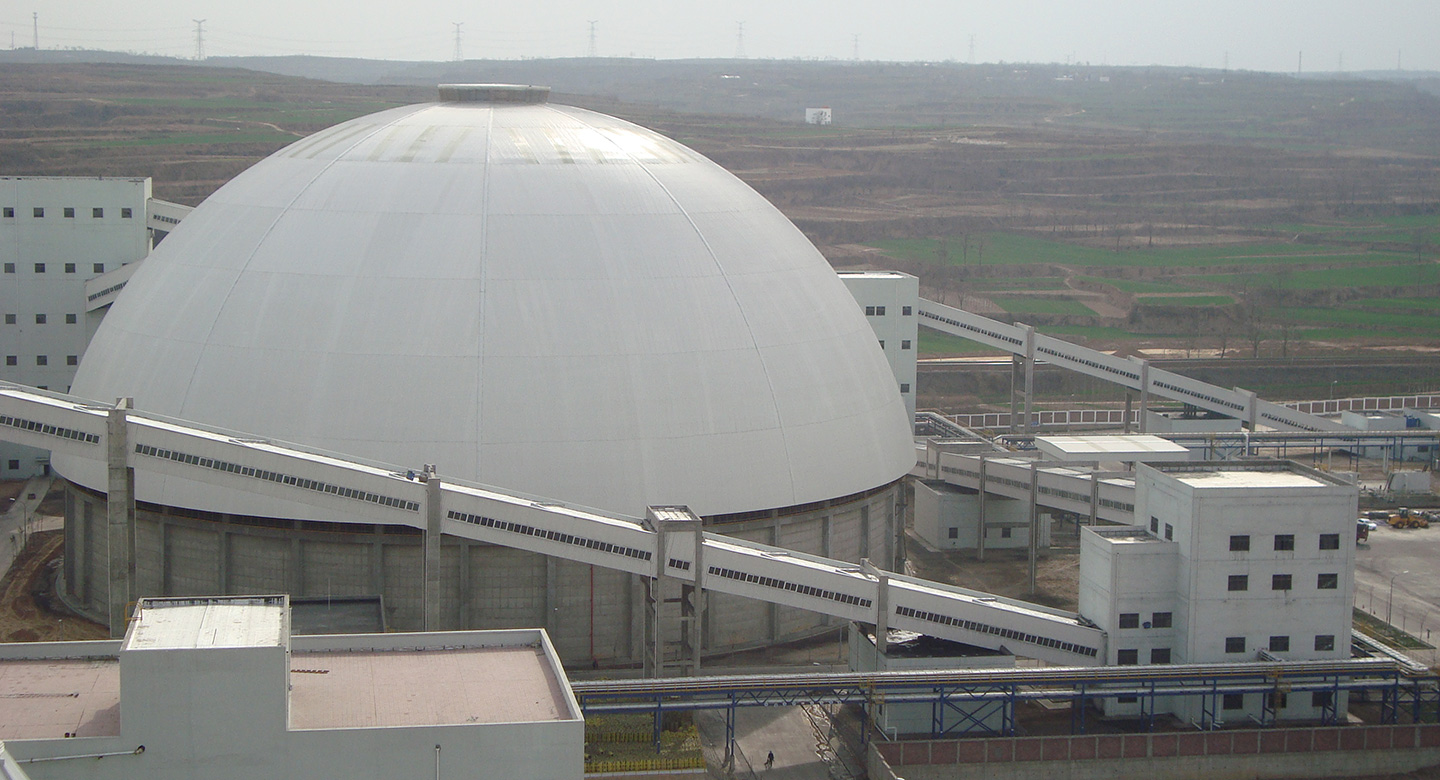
point(1250, 34)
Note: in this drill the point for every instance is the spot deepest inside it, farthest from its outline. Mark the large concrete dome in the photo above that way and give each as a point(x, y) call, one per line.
point(531, 296)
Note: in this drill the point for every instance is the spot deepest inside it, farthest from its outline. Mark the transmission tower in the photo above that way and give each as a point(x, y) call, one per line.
point(199, 39)
point(855, 47)
point(972, 50)
point(35, 19)
point(459, 54)
point(593, 51)
point(740, 40)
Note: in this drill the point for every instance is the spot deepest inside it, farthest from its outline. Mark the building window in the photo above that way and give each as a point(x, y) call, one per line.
point(42, 360)
point(1279, 700)
point(1233, 701)
point(1239, 543)
point(1161, 620)
point(97, 213)
point(1127, 657)
point(1169, 532)
point(1324, 642)
point(69, 268)
point(1234, 644)
point(1160, 655)
point(905, 343)
point(1279, 582)
point(14, 464)
point(71, 319)
point(12, 360)
point(1279, 644)
point(1321, 698)
point(39, 268)
point(9, 319)
point(9, 212)
point(953, 533)
point(904, 387)
point(1284, 541)
point(39, 212)
point(1239, 582)
point(1127, 699)
point(879, 311)
point(39, 319)
point(99, 268)
point(9, 268)
point(882, 343)
point(1155, 525)
point(1329, 541)
point(904, 311)
point(72, 360)
point(69, 212)
point(1129, 619)
point(126, 213)
point(1327, 581)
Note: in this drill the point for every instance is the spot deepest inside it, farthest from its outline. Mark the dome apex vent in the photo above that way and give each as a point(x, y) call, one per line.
point(494, 93)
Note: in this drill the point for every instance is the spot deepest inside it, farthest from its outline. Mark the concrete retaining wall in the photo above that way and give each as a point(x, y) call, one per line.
point(591, 615)
point(1265, 753)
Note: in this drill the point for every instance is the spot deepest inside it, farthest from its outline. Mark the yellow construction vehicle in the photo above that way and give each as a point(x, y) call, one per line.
point(1405, 517)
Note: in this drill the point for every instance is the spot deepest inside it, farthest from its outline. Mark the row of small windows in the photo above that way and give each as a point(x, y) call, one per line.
point(1284, 582)
point(1280, 644)
point(42, 360)
point(1006, 633)
point(904, 343)
point(20, 423)
point(70, 268)
point(772, 582)
point(68, 212)
point(973, 329)
point(1095, 364)
point(1284, 542)
point(1157, 620)
point(1015, 483)
point(1158, 655)
point(271, 476)
point(41, 319)
point(879, 311)
point(554, 536)
point(1169, 529)
point(1192, 394)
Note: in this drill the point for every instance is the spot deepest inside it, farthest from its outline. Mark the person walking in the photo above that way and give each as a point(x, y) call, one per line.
point(770, 759)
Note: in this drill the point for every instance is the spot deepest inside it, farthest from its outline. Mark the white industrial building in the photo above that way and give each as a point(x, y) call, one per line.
point(890, 300)
point(218, 688)
point(526, 295)
point(56, 233)
point(1232, 561)
point(948, 518)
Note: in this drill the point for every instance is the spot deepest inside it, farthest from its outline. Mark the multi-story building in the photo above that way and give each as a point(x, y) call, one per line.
point(890, 300)
point(1234, 561)
point(56, 233)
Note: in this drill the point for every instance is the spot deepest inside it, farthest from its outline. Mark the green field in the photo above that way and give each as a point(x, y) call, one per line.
point(1185, 300)
point(1029, 283)
point(1324, 279)
point(1026, 305)
point(933, 343)
point(1013, 249)
point(190, 139)
point(1138, 286)
point(1394, 322)
point(1420, 304)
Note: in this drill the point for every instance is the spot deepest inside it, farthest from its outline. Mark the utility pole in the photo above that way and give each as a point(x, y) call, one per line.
point(740, 41)
point(199, 39)
point(593, 51)
point(459, 54)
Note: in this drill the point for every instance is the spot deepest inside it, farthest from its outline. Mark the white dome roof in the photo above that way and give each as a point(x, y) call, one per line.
point(536, 297)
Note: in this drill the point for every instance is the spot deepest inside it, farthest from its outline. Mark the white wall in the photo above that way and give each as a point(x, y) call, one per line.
point(886, 297)
point(72, 250)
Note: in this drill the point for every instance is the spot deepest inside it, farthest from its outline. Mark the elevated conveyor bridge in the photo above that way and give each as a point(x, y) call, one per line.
point(130, 440)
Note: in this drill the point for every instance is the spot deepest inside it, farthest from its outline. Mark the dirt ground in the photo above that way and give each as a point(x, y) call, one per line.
point(28, 611)
point(1006, 572)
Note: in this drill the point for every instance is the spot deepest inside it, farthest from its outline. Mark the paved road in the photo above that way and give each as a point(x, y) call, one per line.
point(21, 518)
point(1415, 606)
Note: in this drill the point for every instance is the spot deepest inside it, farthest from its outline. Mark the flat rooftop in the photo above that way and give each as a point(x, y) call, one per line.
point(49, 698)
point(1248, 479)
point(179, 623)
point(1125, 448)
point(377, 688)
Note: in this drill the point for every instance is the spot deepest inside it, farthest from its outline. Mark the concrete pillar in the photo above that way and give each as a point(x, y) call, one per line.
point(635, 587)
point(120, 517)
point(1144, 395)
point(467, 621)
point(1129, 409)
point(1034, 520)
point(1095, 494)
point(223, 542)
point(1029, 375)
point(776, 536)
point(295, 562)
point(552, 595)
point(980, 539)
point(882, 605)
point(377, 561)
point(433, 513)
point(163, 529)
